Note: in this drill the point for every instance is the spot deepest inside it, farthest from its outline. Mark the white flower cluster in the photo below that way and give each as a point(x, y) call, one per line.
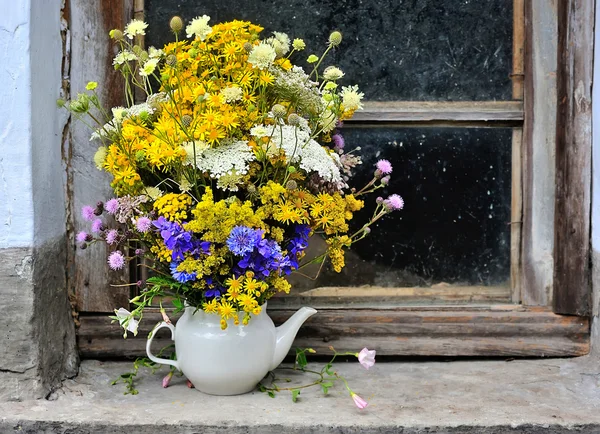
point(228, 161)
point(299, 147)
point(296, 86)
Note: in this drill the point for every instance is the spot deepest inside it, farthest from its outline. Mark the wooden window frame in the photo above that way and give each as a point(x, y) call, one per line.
point(550, 226)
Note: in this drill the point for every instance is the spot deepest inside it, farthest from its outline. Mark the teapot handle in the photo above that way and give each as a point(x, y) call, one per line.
point(149, 343)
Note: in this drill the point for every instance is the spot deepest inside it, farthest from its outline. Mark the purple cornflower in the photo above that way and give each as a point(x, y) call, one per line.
point(243, 239)
point(116, 260)
point(112, 206)
point(394, 202)
point(87, 212)
point(97, 226)
point(338, 141)
point(384, 166)
point(111, 236)
point(143, 224)
point(82, 237)
point(178, 240)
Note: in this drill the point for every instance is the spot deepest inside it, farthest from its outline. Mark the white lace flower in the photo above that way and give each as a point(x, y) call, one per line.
point(199, 27)
point(135, 27)
point(191, 148)
point(148, 67)
point(142, 109)
point(119, 113)
point(225, 158)
point(229, 181)
point(231, 94)
point(262, 56)
point(299, 147)
point(351, 98)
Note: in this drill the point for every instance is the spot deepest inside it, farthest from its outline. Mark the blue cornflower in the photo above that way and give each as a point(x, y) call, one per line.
point(243, 239)
point(181, 276)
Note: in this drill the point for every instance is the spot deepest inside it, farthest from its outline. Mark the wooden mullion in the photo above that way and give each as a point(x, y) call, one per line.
point(409, 332)
point(572, 288)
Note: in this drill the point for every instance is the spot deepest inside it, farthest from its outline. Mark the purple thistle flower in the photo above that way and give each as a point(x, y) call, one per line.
point(338, 141)
point(87, 212)
point(111, 236)
point(143, 224)
point(97, 226)
point(384, 166)
point(394, 202)
point(116, 260)
point(82, 237)
point(112, 206)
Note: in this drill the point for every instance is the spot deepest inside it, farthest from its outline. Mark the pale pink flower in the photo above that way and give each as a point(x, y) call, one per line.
point(384, 166)
point(366, 357)
point(112, 206)
point(394, 202)
point(143, 224)
point(189, 384)
point(87, 212)
point(116, 260)
point(360, 403)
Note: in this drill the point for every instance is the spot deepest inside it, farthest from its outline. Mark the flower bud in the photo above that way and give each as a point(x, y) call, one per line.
point(367, 230)
point(335, 38)
point(83, 246)
point(139, 252)
point(294, 119)
point(99, 208)
point(116, 34)
point(186, 120)
point(176, 24)
point(279, 111)
point(248, 47)
point(137, 50)
point(379, 200)
point(171, 60)
point(89, 238)
point(312, 58)
point(385, 180)
point(251, 189)
point(291, 185)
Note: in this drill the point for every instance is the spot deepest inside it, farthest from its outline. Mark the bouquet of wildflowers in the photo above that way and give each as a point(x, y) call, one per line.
point(232, 160)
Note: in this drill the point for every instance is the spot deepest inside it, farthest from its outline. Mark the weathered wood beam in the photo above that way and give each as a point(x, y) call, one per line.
point(439, 111)
point(572, 289)
point(496, 331)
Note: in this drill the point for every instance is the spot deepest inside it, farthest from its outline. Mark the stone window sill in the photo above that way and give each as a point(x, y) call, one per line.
point(462, 396)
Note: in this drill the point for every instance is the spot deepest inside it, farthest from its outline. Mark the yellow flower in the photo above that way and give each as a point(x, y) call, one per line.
point(226, 310)
point(91, 85)
point(210, 306)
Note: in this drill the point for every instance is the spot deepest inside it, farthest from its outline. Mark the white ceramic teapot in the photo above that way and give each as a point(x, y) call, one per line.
point(230, 361)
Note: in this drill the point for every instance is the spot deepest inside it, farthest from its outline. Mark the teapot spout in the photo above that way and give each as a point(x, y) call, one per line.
point(287, 332)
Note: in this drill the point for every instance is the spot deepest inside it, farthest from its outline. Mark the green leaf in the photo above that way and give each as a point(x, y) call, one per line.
point(295, 393)
point(271, 393)
point(178, 304)
point(261, 388)
point(328, 369)
point(325, 387)
point(301, 361)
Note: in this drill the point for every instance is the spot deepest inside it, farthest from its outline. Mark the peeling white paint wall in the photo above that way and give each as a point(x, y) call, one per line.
point(16, 198)
point(595, 229)
point(32, 203)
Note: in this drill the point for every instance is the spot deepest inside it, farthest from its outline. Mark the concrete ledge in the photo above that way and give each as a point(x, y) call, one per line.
point(531, 396)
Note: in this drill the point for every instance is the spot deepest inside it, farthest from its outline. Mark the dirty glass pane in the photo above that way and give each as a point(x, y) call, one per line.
point(454, 230)
point(394, 49)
